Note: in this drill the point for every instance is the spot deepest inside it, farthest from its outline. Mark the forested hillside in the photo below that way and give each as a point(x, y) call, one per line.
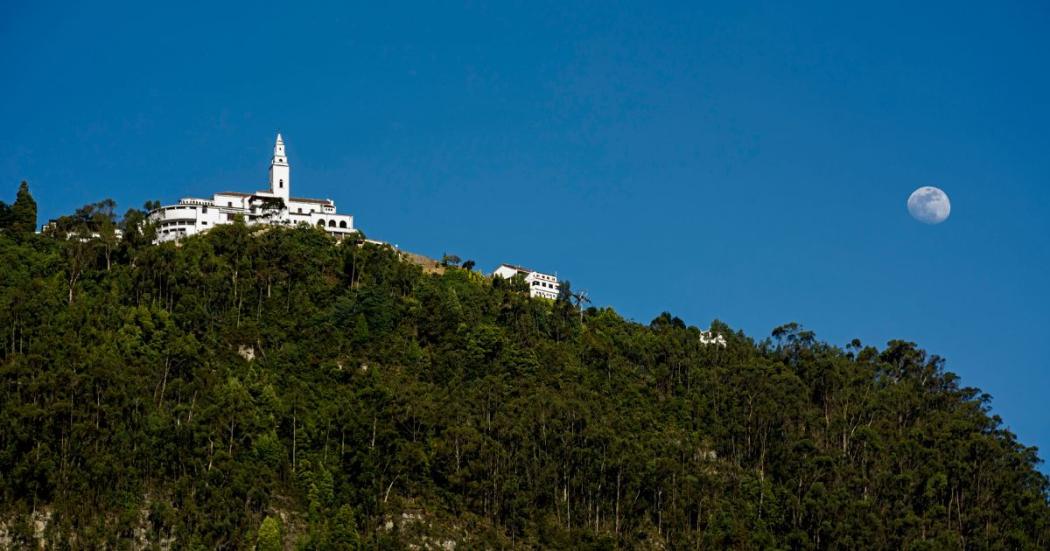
point(256, 387)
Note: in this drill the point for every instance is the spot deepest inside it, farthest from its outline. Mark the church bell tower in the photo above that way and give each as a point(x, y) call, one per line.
point(280, 172)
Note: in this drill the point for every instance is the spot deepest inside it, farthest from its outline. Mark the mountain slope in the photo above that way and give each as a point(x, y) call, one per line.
point(185, 395)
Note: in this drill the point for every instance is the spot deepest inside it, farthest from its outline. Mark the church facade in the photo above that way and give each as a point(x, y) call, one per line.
point(274, 206)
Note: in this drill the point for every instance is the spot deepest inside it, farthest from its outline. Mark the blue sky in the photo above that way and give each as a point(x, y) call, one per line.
point(746, 163)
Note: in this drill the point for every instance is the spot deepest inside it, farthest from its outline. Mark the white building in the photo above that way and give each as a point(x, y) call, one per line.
point(540, 284)
point(275, 206)
point(710, 337)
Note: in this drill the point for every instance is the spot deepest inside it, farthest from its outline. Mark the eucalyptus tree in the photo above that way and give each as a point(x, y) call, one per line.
point(204, 390)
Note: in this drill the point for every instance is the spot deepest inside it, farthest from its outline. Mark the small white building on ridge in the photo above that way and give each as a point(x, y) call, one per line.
point(275, 206)
point(540, 284)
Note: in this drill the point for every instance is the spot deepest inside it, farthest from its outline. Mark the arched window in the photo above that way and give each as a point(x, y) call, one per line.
point(320, 223)
point(281, 184)
point(342, 224)
point(331, 223)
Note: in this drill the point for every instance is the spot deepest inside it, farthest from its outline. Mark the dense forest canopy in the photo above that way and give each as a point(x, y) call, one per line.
point(273, 387)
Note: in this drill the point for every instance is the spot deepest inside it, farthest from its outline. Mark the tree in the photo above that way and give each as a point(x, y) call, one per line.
point(565, 290)
point(468, 265)
point(269, 538)
point(5, 216)
point(453, 407)
point(137, 229)
point(343, 533)
point(23, 212)
point(577, 298)
point(105, 224)
point(271, 207)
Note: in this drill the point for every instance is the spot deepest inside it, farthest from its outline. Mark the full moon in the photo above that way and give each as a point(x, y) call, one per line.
point(929, 205)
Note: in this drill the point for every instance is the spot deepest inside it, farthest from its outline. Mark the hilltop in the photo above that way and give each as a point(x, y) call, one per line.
point(278, 387)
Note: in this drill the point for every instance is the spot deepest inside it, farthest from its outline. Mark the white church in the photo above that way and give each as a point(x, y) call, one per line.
point(275, 206)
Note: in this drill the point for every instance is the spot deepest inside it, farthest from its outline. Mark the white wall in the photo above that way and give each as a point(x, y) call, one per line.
point(540, 284)
point(506, 272)
point(192, 216)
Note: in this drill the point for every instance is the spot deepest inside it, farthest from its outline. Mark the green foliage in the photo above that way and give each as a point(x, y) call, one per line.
point(21, 216)
point(199, 392)
point(6, 218)
point(269, 538)
point(23, 212)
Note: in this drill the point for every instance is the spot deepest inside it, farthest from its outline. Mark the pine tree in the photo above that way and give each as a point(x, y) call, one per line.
point(23, 212)
point(5, 216)
point(269, 536)
point(344, 533)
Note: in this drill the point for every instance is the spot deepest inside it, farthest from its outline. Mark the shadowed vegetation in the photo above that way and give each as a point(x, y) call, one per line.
point(257, 387)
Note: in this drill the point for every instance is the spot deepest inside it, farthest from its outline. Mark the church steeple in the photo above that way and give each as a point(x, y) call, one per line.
point(280, 172)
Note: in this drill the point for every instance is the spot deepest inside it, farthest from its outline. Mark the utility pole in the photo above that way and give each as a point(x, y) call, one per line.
point(580, 298)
